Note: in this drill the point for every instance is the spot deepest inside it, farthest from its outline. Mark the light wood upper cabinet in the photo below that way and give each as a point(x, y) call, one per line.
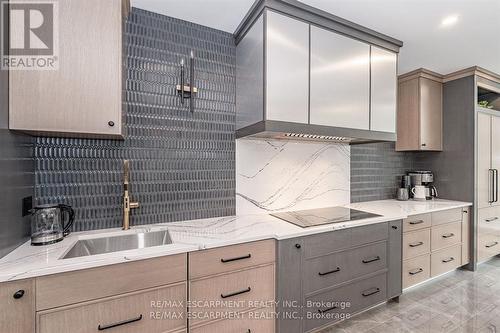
point(17, 307)
point(83, 97)
point(420, 112)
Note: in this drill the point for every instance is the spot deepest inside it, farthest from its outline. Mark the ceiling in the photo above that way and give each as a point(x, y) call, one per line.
point(440, 35)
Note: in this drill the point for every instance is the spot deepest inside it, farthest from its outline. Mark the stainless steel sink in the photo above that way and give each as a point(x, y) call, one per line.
point(90, 247)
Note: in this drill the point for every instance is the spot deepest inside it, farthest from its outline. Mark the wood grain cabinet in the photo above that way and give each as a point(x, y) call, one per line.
point(17, 307)
point(83, 96)
point(420, 112)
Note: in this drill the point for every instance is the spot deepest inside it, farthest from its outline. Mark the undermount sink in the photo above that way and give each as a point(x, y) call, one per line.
point(93, 246)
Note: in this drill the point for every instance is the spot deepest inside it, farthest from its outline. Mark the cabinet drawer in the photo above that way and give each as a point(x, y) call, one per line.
point(445, 260)
point(343, 302)
point(326, 243)
point(326, 271)
point(489, 221)
point(416, 270)
point(240, 288)
point(368, 259)
point(85, 285)
point(416, 222)
point(258, 321)
point(446, 235)
point(130, 313)
point(446, 216)
point(231, 258)
point(488, 245)
point(416, 243)
point(370, 233)
point(17, 306)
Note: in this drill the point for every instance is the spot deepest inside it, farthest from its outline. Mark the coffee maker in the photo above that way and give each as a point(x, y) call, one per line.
point(423, 178)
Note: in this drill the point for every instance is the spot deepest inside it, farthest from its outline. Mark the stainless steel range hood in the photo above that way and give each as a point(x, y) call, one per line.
point(305, 132)
point(304, 74)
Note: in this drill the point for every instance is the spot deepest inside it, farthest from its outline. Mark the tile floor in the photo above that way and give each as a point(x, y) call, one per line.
point(458, 302)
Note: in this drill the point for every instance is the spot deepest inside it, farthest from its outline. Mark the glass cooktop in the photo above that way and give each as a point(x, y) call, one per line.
point(321, 216)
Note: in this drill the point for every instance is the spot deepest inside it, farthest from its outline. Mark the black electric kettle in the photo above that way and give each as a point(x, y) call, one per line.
point(50, 223)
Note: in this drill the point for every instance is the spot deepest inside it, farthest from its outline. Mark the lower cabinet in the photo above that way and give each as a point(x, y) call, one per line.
point(157, 310)
point(488, 235)
point(17, 307)
point(258, 321)
point(329, 277)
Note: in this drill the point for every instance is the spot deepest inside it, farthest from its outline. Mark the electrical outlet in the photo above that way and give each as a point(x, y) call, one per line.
point(27, 205)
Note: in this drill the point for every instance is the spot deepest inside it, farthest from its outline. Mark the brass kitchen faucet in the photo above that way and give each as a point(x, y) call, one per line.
point(127, 205)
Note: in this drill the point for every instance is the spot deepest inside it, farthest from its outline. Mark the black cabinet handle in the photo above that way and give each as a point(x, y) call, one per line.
point(329, 272)
point(424, 144)
point(450, 259)
point(125, 322)
point(492, 244)
point(18, 294)
point(448, 235)
point(111, 123)
point(327, 310)
point(367, 261)
point(394, 227)
point(298, 246)
point(249, 331)
point(417, 222)
point(369, 293)
point(248, 256)
point(491, 219)
point(420, 270)
point(236, 293)
point(416, 244)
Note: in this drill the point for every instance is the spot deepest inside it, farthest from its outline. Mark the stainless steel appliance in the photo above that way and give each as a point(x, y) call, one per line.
point(321, 216)
point(50, 223)
point(426, 179)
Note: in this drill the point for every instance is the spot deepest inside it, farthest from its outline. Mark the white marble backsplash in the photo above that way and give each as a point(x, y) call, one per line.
point(280, 175)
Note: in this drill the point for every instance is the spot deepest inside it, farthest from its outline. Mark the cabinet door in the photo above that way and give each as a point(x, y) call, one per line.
point(340, 80)
point(17, 307)
point(495, 156)
point(383, 90)
point(431, 115)
point(85, 94)
point(484, 181)
point(287, 68)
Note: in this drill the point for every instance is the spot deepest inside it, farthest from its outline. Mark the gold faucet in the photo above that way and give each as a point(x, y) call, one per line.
point(127, 205)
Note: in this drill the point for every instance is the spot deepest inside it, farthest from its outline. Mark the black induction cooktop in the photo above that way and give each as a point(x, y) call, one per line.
point(321, 216)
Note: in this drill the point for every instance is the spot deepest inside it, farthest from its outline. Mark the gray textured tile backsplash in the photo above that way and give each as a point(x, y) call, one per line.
point(182, 164)
point(376, 171)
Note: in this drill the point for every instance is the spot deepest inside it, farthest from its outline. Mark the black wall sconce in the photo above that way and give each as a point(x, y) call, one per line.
point(187, 91)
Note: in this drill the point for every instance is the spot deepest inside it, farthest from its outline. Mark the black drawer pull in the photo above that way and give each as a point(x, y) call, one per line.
point(327, 310)
point(450, 259)
point(236, 293)
point(329, 272)
point(298, 246)
point(448, 235)
point(492, 244)
point(491, 219)
point(18, 294)
point(125, 322)
point(417, 222)
point(249, 331)
point(420, 270)
point(416, 244)
point(367, 261)
point(248, 256)
point(369, 293)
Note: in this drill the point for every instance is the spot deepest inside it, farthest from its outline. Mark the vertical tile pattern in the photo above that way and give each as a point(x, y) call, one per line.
point(376, 171)
point(182, 163)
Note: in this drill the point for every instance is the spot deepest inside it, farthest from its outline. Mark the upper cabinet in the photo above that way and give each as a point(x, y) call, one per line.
point(287, 68)
point(83, 96)
point(302, 73)
point(340, 80)
point(420, 112)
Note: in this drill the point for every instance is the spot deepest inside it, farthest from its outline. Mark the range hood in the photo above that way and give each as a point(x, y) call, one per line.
point(305, 132)
point(304, 74)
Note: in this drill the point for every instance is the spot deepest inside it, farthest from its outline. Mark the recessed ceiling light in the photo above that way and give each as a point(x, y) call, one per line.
point(448, 21)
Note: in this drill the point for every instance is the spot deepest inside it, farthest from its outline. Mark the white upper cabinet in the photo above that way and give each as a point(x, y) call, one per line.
point(383, 90)
point(287, 68)
point(340, 80)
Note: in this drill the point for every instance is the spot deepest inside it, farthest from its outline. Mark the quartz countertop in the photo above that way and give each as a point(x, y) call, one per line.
point(31, 261)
